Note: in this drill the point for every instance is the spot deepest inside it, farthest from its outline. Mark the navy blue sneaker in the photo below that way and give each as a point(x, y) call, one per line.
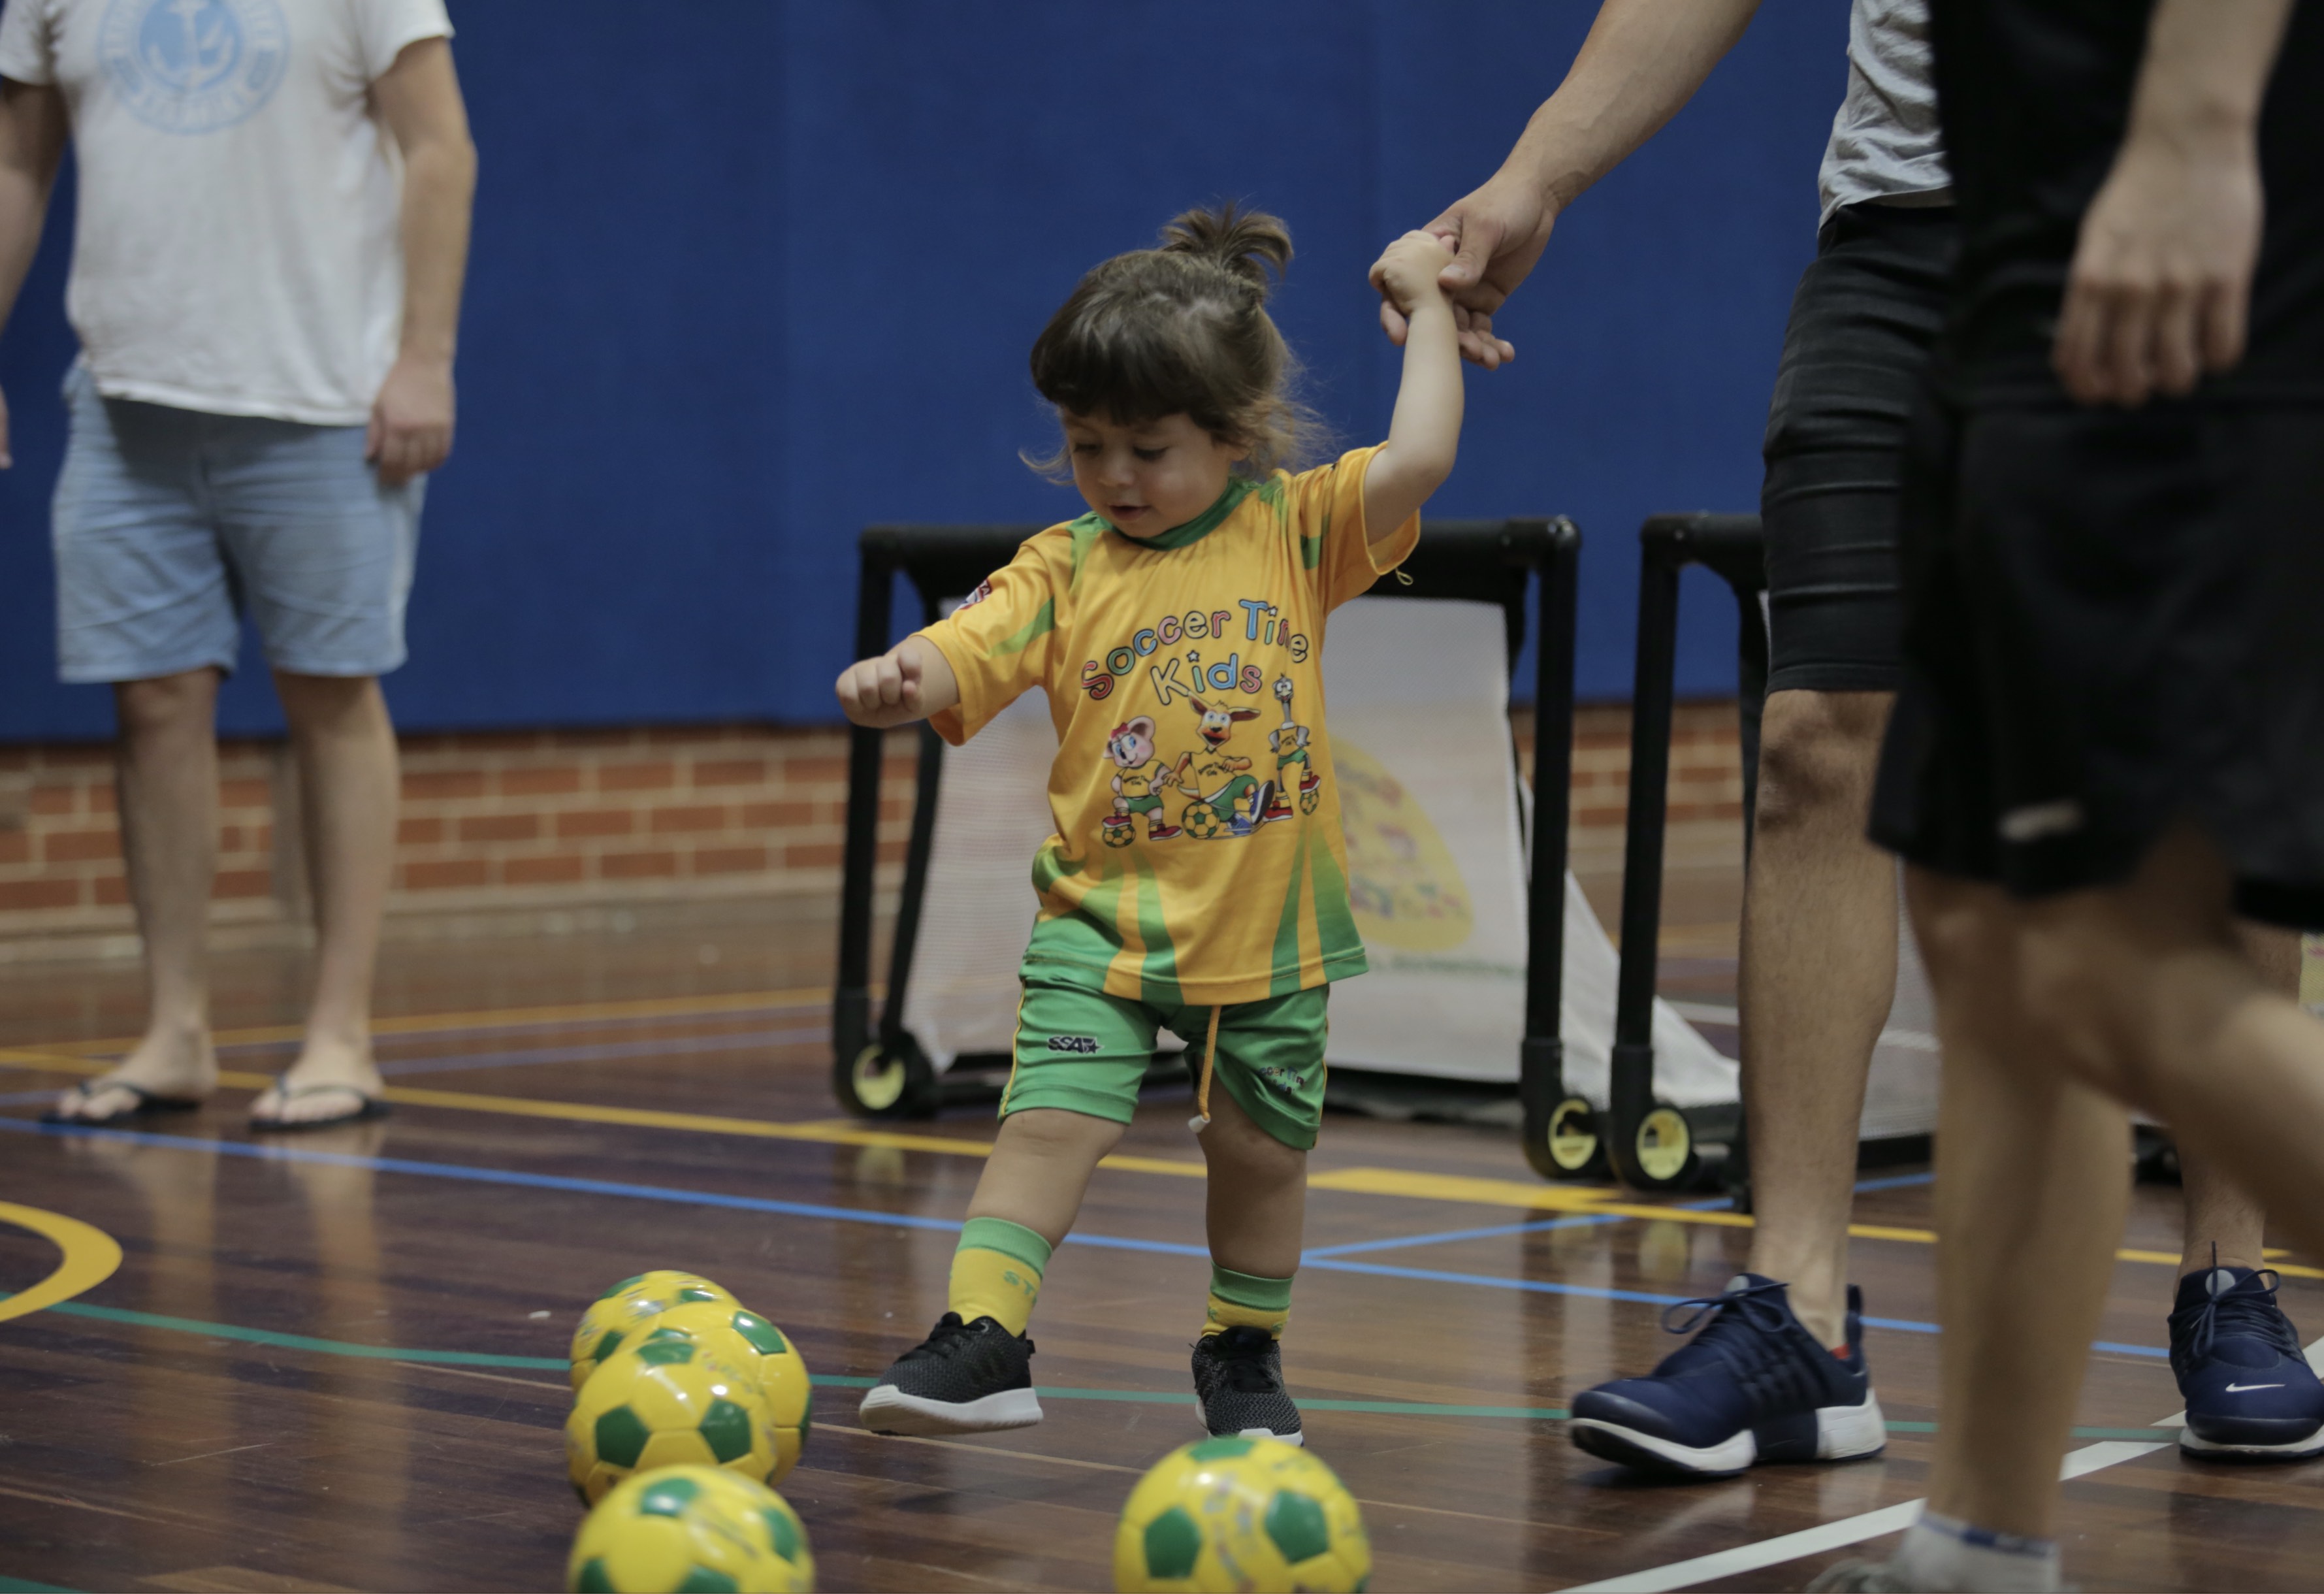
point(2251, 1396)
point(1753, 1386)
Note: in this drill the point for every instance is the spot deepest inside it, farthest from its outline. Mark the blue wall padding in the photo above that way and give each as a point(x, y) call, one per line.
point(769, 271)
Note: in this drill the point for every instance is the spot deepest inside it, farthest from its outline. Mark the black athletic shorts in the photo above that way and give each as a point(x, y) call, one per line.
point(1867, 310)
point(2115, 619)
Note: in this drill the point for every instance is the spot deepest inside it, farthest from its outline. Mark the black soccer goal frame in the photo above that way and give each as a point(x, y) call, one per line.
point(1646, 1142)
point(879, 1071)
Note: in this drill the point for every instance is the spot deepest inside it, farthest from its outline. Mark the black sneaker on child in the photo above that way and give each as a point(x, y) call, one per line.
point(1238, 1386)
point(964, 1378)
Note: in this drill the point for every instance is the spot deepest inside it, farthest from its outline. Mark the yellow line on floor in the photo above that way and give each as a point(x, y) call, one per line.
point(1410, 1184)
point(90, 1256)
point(1504, 1193)
point(669, 1007)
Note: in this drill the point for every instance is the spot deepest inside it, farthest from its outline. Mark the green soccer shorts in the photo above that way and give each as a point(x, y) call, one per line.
point(1088, 1052)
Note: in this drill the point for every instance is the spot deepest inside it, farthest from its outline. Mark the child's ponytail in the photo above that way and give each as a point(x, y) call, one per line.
point(1184, 330)
point(1247, 243)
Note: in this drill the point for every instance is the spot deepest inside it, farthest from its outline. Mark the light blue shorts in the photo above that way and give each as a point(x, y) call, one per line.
point(170, 523)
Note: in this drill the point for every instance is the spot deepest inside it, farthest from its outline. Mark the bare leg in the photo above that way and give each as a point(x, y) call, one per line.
point(2220, 1212)
point(1040, 1168)
point(1257, 1209)
point(2032, 1190)
point(347, 782)
point(166, 780)
point(1819, 973)
point(2141, 991)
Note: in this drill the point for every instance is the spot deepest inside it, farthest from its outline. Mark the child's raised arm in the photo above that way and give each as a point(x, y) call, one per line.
point(911, 681)
point(1425, 433)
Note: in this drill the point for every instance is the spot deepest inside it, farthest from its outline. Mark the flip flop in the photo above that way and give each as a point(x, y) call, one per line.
point(372, 1106)
point(142, 1102)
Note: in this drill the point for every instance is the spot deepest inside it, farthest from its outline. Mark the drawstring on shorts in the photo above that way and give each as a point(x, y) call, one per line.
point(1202, 1119)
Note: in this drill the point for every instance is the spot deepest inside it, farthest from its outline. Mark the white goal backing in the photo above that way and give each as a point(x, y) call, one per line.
point(1417, 693)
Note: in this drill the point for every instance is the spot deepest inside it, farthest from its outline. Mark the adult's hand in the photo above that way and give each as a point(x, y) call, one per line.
point(1641, 61)
point(1495, 234)
point(411, 419)
point(7, 460)
point(2160, 289)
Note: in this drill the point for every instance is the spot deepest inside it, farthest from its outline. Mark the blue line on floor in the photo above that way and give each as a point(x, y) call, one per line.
point(436, 1170)
point(1901, 1182)
point(1589, 1220)
point(432, 1170)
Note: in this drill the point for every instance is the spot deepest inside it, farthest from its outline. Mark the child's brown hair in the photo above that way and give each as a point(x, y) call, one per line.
point(1184, 329)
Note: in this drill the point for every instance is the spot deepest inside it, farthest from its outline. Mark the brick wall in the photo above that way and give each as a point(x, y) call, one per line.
point(550, 819)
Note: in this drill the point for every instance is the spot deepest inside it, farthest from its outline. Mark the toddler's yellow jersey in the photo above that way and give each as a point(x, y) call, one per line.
point(1194, 659)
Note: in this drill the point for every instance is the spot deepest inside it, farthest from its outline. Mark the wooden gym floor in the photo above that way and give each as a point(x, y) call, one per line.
point(335, 1360)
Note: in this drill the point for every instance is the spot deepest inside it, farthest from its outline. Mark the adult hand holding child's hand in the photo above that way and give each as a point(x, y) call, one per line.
point(1405, 272)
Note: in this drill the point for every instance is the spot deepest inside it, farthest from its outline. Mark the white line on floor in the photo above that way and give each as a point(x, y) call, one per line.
point(1832, 1535)
point(1855, 1530)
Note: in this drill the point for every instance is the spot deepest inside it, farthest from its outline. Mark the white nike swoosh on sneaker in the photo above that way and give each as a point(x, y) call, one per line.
point(2246, 1389)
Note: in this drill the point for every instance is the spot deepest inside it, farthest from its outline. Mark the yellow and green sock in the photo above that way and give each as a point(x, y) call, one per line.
point(1243, 1300)
point(996, 1272)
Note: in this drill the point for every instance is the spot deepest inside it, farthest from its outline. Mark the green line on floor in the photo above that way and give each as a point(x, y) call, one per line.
point(1394, 1408)
point(251, 1336)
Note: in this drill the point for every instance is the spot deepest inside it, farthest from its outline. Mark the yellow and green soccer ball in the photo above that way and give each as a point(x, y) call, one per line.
point(614, 1317)
point(1240, 1516)
point(670, 1402)
point(759, 1348)
point(691, 1530)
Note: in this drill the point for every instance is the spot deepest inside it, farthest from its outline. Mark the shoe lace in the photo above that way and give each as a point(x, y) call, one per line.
point(2247, 1310)
point(1241, 1357)
point(950, 1338)
point(1746, 1328)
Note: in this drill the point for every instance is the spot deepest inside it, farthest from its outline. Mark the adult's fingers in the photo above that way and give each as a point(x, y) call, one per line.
point(2223, 321)
point(1393, 323)
point(2128, 351)
point(398, 455)
point(2077, 352)
point(2174, 346)
point(1473, 245)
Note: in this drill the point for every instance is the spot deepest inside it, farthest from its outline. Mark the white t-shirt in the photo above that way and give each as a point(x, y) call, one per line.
point(1887, 148)
point(238, 250)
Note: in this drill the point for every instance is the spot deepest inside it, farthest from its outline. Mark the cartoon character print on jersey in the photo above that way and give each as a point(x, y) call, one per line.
point(1289, 742)
point(1137, 774)
point(1223, 796)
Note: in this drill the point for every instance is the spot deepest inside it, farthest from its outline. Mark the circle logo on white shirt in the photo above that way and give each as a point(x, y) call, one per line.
point(194, 65)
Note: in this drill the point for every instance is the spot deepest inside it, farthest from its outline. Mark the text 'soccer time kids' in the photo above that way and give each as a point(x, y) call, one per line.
point(1198, 879)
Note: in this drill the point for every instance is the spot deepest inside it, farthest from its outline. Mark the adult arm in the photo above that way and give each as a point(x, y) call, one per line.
point(33, 129)
point(1641, 61)
point(418, 98)
point(2160, 289)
